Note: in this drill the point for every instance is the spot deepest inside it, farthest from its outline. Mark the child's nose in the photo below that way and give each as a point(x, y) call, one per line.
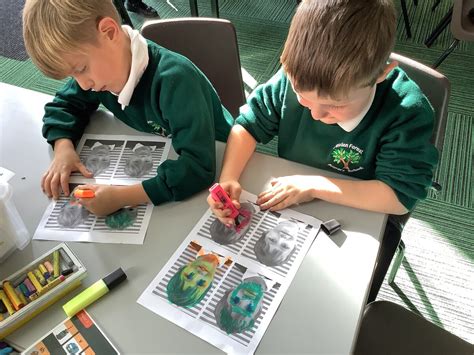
point(318, 112)
point(85, 83)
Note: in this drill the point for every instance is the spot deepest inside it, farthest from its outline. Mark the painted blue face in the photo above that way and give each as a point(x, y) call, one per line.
point(244, 300)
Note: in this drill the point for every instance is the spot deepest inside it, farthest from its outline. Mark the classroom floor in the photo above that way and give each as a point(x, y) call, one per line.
point(436, 279)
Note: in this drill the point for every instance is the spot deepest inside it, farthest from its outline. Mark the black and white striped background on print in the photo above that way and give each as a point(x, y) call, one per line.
point(157, 149)
point(225, 278)
point(261, 222)
point(92, 223)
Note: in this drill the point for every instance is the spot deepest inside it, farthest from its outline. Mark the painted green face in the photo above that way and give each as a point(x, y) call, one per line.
point(244, 300)
point(200, 273)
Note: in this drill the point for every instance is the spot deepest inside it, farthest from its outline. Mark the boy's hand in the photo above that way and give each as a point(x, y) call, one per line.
point(286, 191)
point(65, 161)
point(233, 189)
point(105, 201)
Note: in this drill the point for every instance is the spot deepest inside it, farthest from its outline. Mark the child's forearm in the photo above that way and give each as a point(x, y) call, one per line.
point(239, 149)
point(130, 195)
point(371, 195)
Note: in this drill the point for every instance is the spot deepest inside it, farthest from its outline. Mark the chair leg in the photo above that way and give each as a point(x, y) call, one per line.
point(445, 54)
point(440, 28)
point(215, 8)
point(405, 18)
point(194, 8)
point(396, 262)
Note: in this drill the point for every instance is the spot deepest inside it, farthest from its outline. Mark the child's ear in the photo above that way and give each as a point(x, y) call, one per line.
point(108, 28)
point(388, 68)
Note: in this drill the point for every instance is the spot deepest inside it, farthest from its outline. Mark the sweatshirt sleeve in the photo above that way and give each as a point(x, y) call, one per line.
point(188, 102)
point(263, 111)
point(69, 112)
point(407, 159)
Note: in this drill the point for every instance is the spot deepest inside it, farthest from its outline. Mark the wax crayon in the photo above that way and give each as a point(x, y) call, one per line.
point(67, 271)
point(52, 284)
point(40, 277)
point(30, 286)
point(11, 294)
point(21, 296)
point(19, 280)
point(6, 302)
point(24, 289)
point(66, 257)
point(34, 281)
point(3, 309)
point(44, 271)
point(49, 267)
point(56, 263)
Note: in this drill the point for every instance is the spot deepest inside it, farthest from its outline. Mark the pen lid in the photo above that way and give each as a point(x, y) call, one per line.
point(114, 278)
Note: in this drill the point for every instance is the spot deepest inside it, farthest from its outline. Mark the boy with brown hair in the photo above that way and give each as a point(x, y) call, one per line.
point(144, 85)
point(337, 104)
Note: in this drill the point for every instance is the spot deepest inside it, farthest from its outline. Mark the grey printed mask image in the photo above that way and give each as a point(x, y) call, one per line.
point(72, 214)
point(99, 160)
point(276, 245)
point(139, 163)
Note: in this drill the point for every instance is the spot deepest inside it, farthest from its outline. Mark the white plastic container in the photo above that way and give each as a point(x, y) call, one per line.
point(13, 232)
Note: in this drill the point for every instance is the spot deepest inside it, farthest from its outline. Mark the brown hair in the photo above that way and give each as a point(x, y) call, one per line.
point(334, 46)
point(52, 28)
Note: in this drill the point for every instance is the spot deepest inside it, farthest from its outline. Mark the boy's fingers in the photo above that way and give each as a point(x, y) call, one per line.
point(83, 170)
point(275, 200)
point(236, 204)
point(65, 184)
point(55, 184)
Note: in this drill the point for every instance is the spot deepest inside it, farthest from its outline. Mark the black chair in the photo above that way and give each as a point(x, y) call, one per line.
point(437, 89)
point(209, 43)
point(389, 329)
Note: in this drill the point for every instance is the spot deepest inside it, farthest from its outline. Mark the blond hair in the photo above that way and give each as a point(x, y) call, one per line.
point(52, 28)
point(334, 46)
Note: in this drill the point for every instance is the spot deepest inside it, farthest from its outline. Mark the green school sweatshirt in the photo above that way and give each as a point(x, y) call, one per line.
point(390, 144)
point(172, 97)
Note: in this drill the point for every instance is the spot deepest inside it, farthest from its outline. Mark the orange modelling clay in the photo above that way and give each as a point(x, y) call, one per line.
point(83, 193)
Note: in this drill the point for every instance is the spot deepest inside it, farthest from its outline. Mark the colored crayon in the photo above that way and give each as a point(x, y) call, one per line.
point(66, 257)
point(11, 294)
point(21, 296)
point(6, 302)
point(44, 271)
point(56, 263)
point(19, 280)
point(24, 290)
point(40, 277)
point(34, 281)
point(51, 285)
point(30, 286)
point(49, 267)
point(3, 309)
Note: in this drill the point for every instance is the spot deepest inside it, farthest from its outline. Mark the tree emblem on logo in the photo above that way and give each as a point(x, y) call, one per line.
point(345, 157)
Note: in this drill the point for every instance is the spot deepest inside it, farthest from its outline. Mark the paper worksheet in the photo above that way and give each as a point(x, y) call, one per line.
point(78, 334)
point(252, 275)
point(114, 160)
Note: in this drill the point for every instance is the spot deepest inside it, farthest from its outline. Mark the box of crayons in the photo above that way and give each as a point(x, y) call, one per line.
point(38, 285)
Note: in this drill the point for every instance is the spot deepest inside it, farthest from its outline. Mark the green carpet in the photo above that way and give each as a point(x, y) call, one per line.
point(437, 277)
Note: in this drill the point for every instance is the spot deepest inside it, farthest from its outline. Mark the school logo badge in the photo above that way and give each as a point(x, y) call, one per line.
point(158, 130)
point(346, 157)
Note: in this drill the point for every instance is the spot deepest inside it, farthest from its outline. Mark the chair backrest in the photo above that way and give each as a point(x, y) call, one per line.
point(211, 44)
point(437, 89)
point(390, 329)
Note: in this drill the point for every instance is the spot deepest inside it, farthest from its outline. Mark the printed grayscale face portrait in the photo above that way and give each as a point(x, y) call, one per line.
point(223, 235)
point(139, 163)
point(276, 245)
point(238, 308)
point(99, 159)
point(72, 214)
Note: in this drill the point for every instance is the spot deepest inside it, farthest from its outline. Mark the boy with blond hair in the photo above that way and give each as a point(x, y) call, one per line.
point(144, 85)
point(337, 104)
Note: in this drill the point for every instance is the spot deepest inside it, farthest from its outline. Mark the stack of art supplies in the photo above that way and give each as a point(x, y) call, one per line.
point(38, 285)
